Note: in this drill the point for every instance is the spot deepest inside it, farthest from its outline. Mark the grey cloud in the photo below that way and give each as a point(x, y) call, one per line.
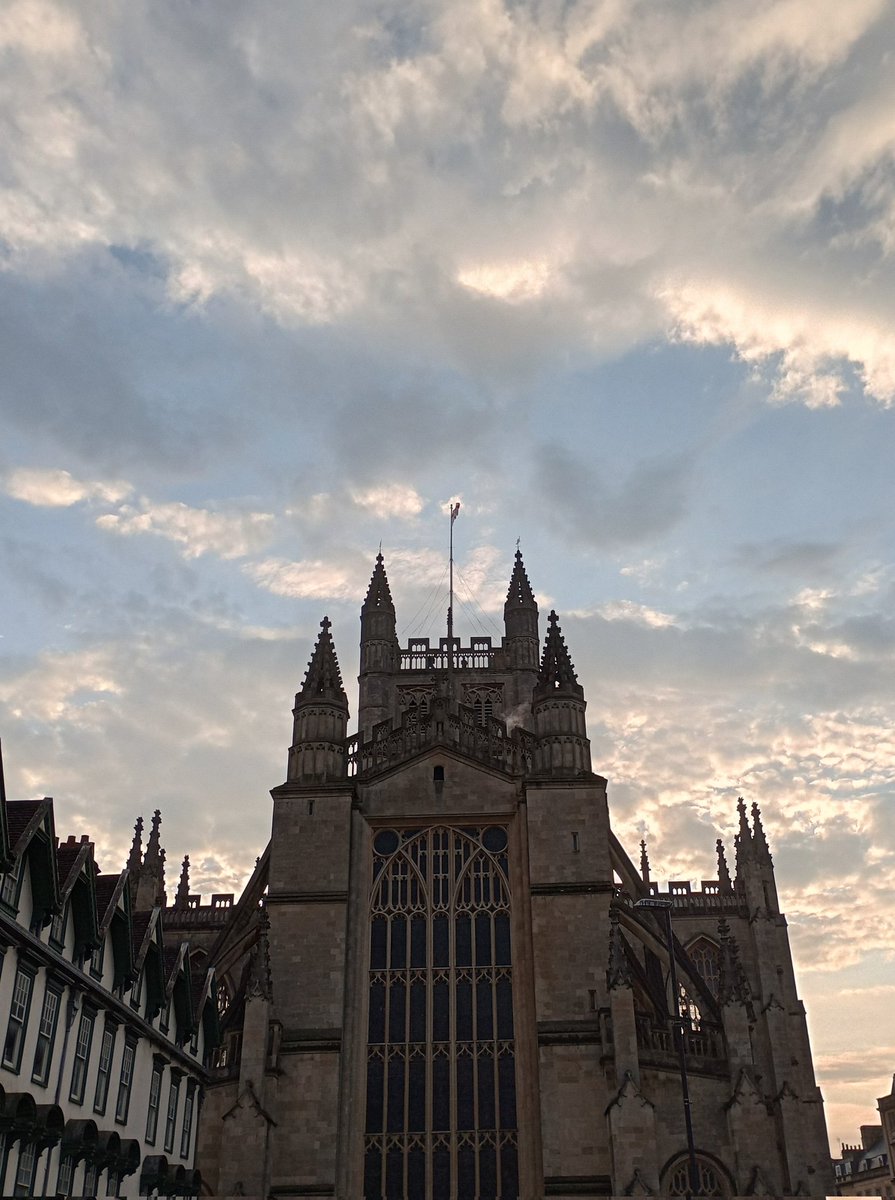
point(302, 163)
point(799, 559)
point(648, 502)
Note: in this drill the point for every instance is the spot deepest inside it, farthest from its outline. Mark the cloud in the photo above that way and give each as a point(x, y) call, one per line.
point(197, 530)
point(390, 500)
point(466, 200)
point(628, 610)
point(647, 502)
point(309, 580)
point(49, 488)
point(811, 349)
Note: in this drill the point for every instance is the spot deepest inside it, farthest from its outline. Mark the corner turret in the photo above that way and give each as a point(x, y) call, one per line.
point(317, 753)
point(558, 704)
point(520, 618)
point(380, 652)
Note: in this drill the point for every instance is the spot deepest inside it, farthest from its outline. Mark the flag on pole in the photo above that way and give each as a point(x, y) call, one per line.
point(454, 511)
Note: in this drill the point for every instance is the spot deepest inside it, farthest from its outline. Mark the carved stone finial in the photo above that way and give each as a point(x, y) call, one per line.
point(724, 880)
point(182, 897)
point(136, 855)
point(152, 845)
point(758, 834)
point(743, 840)
point(644, 862)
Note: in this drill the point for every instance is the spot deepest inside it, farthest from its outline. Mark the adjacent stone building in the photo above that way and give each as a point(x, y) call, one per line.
point(449, 990)
point(863, 1169)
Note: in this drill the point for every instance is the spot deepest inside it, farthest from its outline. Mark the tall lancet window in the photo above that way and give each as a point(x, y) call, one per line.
point(441, 1072)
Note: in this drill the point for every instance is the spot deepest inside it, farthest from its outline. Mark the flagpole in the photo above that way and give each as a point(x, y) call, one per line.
point(454, 510)
point(450, 612)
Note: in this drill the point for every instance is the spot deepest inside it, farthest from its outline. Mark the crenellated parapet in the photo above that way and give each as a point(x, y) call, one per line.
point(450, 725)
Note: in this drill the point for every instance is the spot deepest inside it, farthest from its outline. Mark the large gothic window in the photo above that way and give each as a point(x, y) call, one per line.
point(441, 1080)
point(707, 961)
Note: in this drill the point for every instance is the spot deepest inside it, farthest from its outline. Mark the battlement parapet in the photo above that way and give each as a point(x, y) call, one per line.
point(195, 914)
point(479, 655)
point(710, 898)
point(453, 726)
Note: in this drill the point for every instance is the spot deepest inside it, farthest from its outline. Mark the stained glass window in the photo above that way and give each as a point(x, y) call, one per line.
point(441, 1079)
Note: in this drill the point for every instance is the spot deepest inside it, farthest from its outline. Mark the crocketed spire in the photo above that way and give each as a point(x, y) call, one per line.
point(743, 839)
point(556, 673)
point(519, 593)
point(323, 679)
point(182, 896)
point(520, 619)
point(379, 594)
point(644, 862)
point(153, 849)
point(759, 840)
point(724, 881)
point(147, 876)
point(136, 855)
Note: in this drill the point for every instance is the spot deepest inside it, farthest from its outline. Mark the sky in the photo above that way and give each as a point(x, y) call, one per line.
point(279, 281)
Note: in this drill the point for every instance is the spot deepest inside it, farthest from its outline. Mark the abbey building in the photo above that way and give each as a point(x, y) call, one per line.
point(451, 991)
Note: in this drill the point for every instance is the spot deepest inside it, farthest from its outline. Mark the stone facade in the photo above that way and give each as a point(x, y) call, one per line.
point(453, 991)
point(863, 1169)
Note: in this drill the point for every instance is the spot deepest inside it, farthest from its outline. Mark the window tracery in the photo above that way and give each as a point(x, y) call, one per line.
point(441, 1088)
point(706, 958)
point(485, 702)
point(711, 1182)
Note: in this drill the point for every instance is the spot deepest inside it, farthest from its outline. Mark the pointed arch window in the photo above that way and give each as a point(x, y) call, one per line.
point(711, 1179)
point(706, 958)
point(441, 1077)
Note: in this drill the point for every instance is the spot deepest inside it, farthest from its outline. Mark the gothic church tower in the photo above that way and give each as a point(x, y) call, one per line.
point(462, 999)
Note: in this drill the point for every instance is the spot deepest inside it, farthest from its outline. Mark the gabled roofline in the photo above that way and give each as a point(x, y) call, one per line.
point(148, 938)
point(85, 851)
point(176, 969)
point(43, 807)
point(106, 919)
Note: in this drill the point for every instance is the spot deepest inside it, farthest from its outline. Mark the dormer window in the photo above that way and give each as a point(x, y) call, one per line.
point(57, 929)
point(9, 892)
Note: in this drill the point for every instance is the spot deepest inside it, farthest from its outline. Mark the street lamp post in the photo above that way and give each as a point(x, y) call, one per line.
point(657, 903)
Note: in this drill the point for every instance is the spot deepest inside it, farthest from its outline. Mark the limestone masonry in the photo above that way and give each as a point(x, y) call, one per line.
point(448, 990)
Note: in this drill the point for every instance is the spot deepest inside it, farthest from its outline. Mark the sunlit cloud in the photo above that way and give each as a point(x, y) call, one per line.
point(306, 580)
point(512, 282)
point(48, 488)
point(396, 500)
point(197, 531)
